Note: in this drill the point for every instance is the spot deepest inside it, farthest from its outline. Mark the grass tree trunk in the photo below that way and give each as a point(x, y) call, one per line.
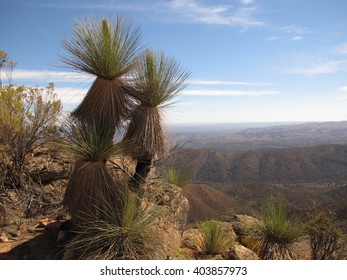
point(142, 170)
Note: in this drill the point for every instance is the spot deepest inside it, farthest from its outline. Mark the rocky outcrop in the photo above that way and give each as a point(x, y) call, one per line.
point(47, 164)
point(173, 210)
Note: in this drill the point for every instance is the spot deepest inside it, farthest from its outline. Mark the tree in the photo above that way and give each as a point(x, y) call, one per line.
point(7, 64)
point(28, 116)
point(108, 51)
point(158, 80)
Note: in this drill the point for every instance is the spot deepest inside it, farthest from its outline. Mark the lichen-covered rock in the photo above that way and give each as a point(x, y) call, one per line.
point(239, 222)
point(191, 239)
point(173, 210)
point(239, 252)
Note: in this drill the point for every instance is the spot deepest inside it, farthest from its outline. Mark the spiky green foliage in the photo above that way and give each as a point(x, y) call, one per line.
point(102, 48)
point(275, 231)
point(215, 240)
point(89, 141)
point(158, 80)
point(124, 233)
point(108, 51)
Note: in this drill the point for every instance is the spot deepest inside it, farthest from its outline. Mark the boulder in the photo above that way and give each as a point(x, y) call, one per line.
point(239, 222)
point(173, 210)
point(191, 239)
point(239, 252)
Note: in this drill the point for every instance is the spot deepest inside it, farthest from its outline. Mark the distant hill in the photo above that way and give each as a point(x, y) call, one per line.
point(243, 137)
point(291, 165)
point(205, 202)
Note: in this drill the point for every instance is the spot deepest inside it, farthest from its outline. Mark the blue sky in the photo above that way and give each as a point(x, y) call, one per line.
point(250, 60)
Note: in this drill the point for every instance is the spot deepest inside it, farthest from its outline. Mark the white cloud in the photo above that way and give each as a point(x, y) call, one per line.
point(247, 2)
point(343, 88)
point(225, 83)
point(49, 76)
point(207, 92)
point(70, 95)
point(215, 15)
point(319, 67)
point(297, 38)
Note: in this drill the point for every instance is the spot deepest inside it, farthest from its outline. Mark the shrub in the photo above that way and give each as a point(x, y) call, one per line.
point(325, 235)
point(28, 116)
point(214, 239)
point(275, 231)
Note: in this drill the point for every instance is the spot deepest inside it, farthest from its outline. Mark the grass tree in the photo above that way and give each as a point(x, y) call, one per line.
point(124, 232)
point(157, 81)
point(90, 184)
point(214, 238)
point(275, 231)
point(107, 50)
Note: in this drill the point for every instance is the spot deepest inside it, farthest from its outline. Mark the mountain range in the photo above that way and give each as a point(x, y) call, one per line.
point(236, 167)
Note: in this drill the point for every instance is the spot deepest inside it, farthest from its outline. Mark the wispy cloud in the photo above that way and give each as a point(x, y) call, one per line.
point(208, 92)
point(319, 67)
point(296, 38)
point(241, 15)
point(49, 76)
point(342, 49)
point(225, 83)
point(247, 2)
point(289, 33)
point(70, 96)
point(294, 29)
point(343, 88)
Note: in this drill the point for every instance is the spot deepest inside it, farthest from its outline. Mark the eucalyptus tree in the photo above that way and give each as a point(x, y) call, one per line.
point(157, 81)
point(109, 51)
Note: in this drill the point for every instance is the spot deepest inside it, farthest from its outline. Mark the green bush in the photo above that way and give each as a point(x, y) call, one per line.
point(325, 236)
point(28, 117)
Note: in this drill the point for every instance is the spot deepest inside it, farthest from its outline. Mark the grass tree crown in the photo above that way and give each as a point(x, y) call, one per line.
point(103, 48)
point(158, 80)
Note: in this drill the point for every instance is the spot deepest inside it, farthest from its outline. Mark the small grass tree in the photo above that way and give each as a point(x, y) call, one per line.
point(275, 231)
point(215, 240)
point(157, 81)
point(124, 232)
